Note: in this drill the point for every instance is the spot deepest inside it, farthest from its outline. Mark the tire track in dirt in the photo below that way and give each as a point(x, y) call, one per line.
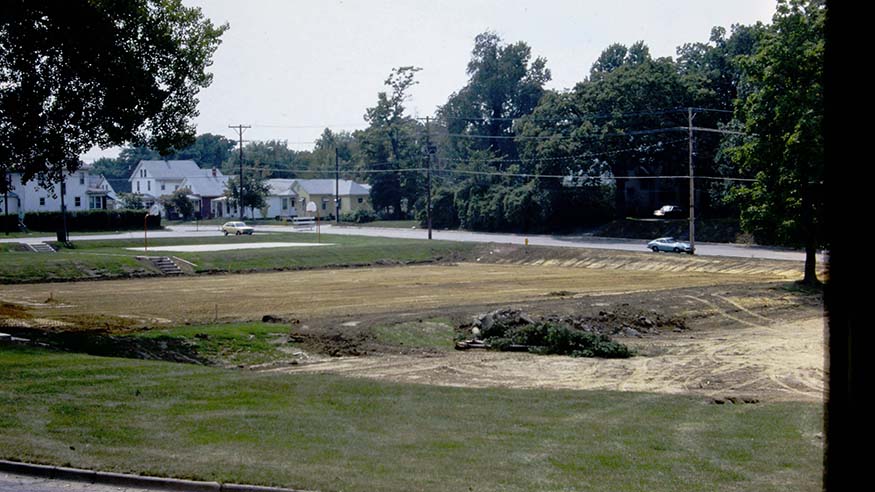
point(780, 364)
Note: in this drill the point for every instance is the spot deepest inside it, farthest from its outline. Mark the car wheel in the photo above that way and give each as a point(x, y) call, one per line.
point(677, 250)
point(238, 233)
point(226, 233)
point(655, 249)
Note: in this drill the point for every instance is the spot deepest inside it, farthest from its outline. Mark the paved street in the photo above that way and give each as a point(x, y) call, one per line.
point(567, 241)
point(23, 483)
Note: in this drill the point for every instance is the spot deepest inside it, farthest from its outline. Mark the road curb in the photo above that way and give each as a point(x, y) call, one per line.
point(125, 480)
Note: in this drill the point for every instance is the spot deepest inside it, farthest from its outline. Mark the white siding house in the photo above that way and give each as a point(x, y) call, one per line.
point(82, 191)
point(153, 179)
point(280, 203)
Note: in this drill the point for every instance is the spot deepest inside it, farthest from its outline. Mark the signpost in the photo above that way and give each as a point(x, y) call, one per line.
point(311, 207)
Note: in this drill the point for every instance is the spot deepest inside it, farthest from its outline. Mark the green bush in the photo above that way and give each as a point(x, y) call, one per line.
point(555, 338)
point(92, 220)
point(358, 217)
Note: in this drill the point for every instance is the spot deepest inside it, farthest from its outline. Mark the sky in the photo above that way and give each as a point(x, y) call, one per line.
point(291, 68)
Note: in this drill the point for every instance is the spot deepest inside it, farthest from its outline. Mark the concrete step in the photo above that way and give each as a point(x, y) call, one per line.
point(41, 248)
point(166, 265)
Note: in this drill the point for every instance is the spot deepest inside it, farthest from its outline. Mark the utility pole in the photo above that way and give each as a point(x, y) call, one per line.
point(240, 129)
point(336, 187)
point(7, 182)
point(692, 186)
point(64, 207)
point(429, 151)
point(690, 129)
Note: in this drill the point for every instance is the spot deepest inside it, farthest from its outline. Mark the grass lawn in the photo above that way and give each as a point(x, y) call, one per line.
point(111, 258)
point(395, 224)
point(334, 433)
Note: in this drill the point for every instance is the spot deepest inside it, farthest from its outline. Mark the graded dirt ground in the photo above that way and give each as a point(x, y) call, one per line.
point(747, 337)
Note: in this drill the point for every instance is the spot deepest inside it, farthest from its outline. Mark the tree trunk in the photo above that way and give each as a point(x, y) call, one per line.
point(810, 277)
point(620, 199)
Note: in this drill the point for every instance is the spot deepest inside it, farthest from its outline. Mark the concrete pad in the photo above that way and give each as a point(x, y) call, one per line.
point(193, 248)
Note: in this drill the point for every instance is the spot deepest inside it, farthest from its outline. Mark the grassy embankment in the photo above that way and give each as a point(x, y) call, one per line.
point(334, 433)
point(111, 258)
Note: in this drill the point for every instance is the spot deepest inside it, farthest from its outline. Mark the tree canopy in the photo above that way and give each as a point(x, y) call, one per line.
point(84, 73)
point(781, 108)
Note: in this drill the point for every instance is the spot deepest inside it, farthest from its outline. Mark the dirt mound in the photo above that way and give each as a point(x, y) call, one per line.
point(621, 320)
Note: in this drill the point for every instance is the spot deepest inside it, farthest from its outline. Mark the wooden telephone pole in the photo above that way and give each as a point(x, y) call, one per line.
point(240, 129)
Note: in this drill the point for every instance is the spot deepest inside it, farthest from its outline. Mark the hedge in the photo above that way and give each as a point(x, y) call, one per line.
point(91, 220)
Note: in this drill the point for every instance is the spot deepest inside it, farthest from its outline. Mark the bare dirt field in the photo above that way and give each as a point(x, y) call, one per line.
point(741, 333)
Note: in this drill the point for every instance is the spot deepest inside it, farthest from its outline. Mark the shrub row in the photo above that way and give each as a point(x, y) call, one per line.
point(358, 217)
point(91, 220)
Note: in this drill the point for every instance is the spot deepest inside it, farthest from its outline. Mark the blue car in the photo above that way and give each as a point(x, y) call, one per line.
point(669, 244)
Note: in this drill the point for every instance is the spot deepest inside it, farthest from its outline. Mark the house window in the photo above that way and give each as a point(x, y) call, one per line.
point(148, 186)
point(138, 186)
point(162, 186)
point(324, 205)
point(285, 203)
point(42, 201)
point(361, 200)
point(82, 178)
point(95, 202)
point(77, 201)
point(175, 187)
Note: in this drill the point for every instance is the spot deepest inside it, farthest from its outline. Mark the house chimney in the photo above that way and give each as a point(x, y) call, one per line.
point(214, 172)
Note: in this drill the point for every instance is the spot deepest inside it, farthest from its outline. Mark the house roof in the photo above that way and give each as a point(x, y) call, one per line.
point(206, 186)
point(326, 187)
point(172, 170)
point(281, 187)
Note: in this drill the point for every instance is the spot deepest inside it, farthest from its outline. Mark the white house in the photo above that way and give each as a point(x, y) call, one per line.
point(152, 179)
point(289, 197)
point(82, 191)
point(280, 203)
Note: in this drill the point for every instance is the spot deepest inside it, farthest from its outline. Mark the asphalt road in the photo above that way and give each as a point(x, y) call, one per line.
point(567, 241)
point(22, 483)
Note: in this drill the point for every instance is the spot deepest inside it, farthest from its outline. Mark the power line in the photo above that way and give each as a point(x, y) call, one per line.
point(581, 117)
point(576, 156)
point(495, 173)
point(569, 137)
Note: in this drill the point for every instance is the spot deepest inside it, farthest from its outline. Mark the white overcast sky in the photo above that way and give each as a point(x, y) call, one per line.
point(290, 68)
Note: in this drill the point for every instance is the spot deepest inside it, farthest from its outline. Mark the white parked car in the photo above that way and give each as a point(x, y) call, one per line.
point(669, 244)
point(237, 228)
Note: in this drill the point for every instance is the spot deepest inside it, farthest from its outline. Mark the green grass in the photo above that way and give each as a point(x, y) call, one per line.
point(333, 433)
point(435, 334)
point(395, 224)
point(111, 258)
point(232, 343)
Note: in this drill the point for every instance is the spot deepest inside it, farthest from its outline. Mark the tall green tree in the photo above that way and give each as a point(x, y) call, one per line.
point(619, 114)
point(254, 193)
point(273, 158)
point(208, 150)
point(178, 202)
point(320, 162)
point(504, 83)
point(84, 73)
point(390, 145)
point(782, 109)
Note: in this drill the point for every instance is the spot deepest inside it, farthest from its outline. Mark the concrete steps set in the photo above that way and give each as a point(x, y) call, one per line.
point(166, 265)
point(40, 248)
